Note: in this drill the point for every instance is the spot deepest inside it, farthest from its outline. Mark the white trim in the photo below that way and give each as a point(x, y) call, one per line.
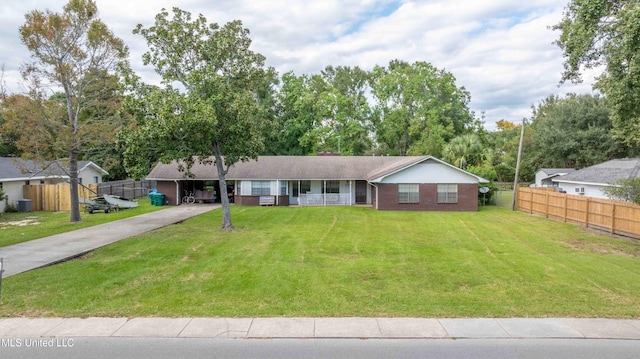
point(583, 183)
point(93, 164)
point(32, 178)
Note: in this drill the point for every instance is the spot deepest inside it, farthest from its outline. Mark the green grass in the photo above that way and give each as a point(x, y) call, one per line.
point(344, 261)
point(21, 227)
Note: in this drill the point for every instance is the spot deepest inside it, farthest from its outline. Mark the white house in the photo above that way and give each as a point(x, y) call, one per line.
point(545, 176)
point(591, 181)
point(16, 172)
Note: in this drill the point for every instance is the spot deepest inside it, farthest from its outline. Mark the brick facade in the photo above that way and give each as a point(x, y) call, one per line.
point(255, 200)
point(388, 198)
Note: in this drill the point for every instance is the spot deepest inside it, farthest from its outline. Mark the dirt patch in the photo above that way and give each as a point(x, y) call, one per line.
point(601, 249)
point(22, 223)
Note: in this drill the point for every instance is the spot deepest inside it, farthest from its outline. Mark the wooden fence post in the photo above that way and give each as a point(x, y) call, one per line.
point(613, 218)
point(546, 205)
point(586, 214)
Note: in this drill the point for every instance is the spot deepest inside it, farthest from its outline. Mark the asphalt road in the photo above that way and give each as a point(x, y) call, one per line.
point(175, 348)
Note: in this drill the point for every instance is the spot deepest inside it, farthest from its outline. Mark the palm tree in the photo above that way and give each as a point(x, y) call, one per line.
point(461, 150)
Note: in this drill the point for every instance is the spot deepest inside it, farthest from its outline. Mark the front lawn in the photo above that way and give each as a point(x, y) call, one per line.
point(344, 261)
point(21, 227)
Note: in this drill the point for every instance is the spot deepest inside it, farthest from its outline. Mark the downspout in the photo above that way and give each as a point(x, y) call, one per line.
point(177, 192)
point(376, 187)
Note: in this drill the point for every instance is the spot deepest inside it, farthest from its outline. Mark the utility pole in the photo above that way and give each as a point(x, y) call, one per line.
point(516, 180)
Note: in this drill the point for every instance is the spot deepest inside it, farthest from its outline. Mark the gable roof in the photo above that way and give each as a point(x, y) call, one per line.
point(604, 173)
point(299, 168)
point(556, 171)
point(83, 165)
point(14, 169)
point(398, 167)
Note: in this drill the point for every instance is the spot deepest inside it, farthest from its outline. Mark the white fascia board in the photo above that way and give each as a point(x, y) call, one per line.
point(580, 183)
point(31, 178)
point(94, 165)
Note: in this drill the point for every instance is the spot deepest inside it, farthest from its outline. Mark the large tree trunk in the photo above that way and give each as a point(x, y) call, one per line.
point(224, 199)
point(73, 188)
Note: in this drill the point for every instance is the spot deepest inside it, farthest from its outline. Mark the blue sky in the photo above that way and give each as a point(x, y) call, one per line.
point(501, 51)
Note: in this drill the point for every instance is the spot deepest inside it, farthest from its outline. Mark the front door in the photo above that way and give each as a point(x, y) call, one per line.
point(361, 192)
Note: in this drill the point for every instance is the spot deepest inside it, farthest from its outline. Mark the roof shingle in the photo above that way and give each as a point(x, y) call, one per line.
point(605, 173)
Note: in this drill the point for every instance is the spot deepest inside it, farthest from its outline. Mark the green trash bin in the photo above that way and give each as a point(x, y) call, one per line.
point(156, 199)
point(159, 199)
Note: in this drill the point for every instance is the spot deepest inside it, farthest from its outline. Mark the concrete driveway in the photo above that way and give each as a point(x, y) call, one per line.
point(45, 251)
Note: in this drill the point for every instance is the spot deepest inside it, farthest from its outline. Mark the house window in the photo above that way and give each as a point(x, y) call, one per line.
point(283, 188)
point(408, 193)
point(447, 193)
point(95, 179)
point(331, 187)
point(260, 188)
point(305, 187)
point(79, 180)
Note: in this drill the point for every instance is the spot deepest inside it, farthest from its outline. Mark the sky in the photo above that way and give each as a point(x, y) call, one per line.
point(501, 51)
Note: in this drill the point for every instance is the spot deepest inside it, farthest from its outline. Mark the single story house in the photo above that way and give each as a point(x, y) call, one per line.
point(17, 172)
point(545, 176)
point(385, 182)
point(590, 181)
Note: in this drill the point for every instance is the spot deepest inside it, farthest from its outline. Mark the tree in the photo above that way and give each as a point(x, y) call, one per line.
point(627, 189)
point(463, 150)
point(73, 51)
point(342, 113)
point(419, 108)
point(605, 33)
point(574, 131)
point(295, 116)
point(218, 107)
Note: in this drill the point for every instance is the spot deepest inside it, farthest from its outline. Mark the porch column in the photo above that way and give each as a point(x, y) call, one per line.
point(277, 192)
point(324, 193)
point(350, 194)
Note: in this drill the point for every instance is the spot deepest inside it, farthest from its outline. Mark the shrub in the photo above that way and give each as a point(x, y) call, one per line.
point(627, 189)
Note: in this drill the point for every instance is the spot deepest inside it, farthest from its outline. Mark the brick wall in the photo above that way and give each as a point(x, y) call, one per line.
point(467, 198)
point(168, 189)
point(255, 200)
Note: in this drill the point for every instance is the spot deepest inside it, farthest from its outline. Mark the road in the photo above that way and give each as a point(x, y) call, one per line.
point(175, 348)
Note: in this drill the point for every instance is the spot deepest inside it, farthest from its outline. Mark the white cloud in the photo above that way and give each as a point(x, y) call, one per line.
point(499, 50)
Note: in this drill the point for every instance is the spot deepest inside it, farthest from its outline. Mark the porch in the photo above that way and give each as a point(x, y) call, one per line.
point(330, 192)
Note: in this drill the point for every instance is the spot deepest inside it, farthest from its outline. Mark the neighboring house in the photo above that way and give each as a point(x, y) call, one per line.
point(404, 183)
point(545, 176)
point(16, 172)
point(590, 181)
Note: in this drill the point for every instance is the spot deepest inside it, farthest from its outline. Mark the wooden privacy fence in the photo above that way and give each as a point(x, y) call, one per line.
point(616, 217)
point(55, 197)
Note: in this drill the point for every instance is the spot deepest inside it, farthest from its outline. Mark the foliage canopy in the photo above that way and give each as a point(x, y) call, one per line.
point(214, 99)
point(605, 34)
point(75, 55)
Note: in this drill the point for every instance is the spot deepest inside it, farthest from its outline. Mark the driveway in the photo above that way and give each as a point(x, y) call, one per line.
point(45, 251)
